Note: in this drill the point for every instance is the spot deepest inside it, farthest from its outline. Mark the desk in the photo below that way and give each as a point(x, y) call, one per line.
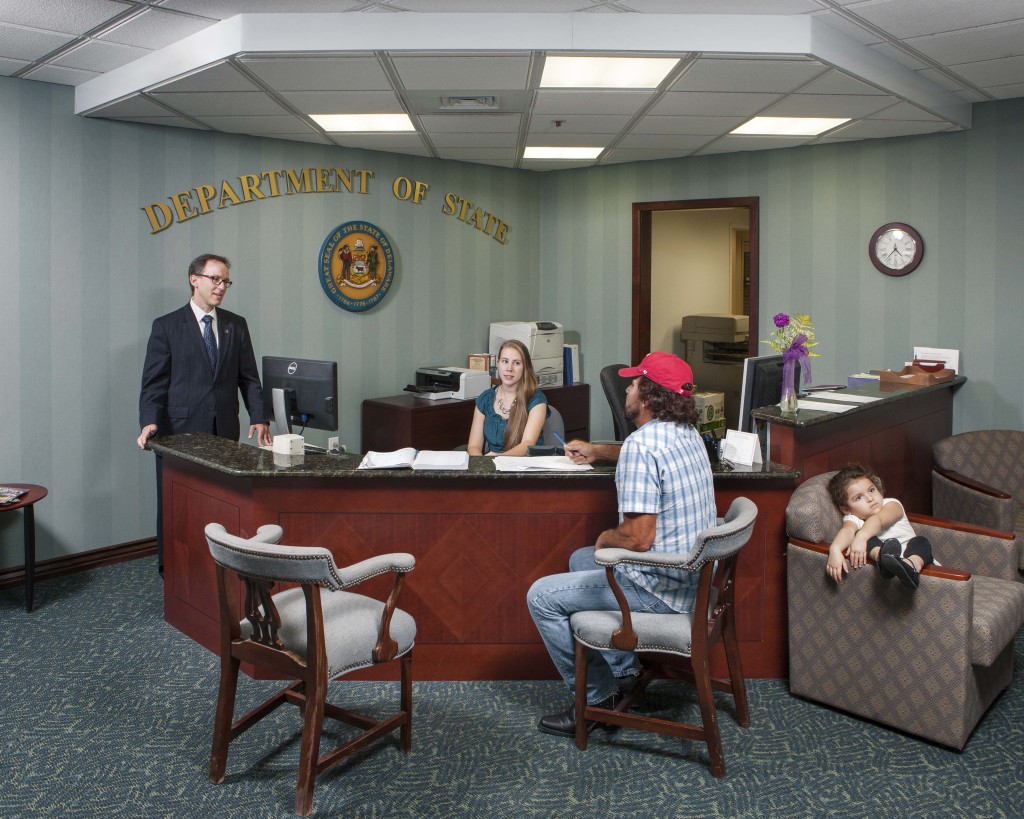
point(480, 539)
point(894, 435)
point(27, 503)
point(408, 420)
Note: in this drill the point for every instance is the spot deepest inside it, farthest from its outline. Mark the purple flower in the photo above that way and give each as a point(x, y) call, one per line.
point(781, 320)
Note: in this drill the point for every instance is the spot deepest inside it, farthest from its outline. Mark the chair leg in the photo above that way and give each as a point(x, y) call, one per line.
point(312, 723)
point(736, 679)
point(222, 721)
point(709, 717)
point(405, 733)
point(581, 695)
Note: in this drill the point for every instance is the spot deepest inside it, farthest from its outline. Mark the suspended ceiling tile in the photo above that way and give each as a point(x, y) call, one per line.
point(60, 76)
point(470, 140)
point(1005, 92)
point(906, 111)
point(135, 106)
point(249, 125)
point(700, 103)
point(561, 140)
point(402, 143)
point(312, 73)
point(308, 136)
point(913, 18)
point(66, 17)
point(155, 29)
point(436, 101)
point(768, 76)
point(463, 73)
point(474, 123)
point(560, 104)
point(620, 155)
point(664, 142)
point(827, 105)
point(98, 56)
point(8, 67)
point(711, 126)
point(344, 102)
point(221, 76)
point(199, 104)
point(876, 128)
point(471, 154)
point(28, 44)
point(987, 73)
point(728, 144)
point(970, 45)
point(173, 122)
point(580, 124)
point(836, 82)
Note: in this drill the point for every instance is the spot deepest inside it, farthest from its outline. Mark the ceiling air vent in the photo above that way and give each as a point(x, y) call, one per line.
point(469, 103)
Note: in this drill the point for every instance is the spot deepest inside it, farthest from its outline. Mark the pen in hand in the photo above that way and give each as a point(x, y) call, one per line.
point(561, 440)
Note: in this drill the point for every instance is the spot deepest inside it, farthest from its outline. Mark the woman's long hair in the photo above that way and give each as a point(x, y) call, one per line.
point(525, 389)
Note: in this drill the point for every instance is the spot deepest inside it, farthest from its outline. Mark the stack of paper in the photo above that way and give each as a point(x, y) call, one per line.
point(543, 463)
point(410, 458)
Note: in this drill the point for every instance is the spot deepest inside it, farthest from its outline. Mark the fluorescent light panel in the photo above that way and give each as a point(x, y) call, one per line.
point(789, 126)
point(554, 152)
point(606, 72)
point(363, 123)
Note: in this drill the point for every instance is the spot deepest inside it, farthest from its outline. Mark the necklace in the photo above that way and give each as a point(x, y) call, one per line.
point(502, 408)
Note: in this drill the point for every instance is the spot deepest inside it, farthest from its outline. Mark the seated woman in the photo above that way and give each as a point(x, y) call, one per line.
point(509, 417)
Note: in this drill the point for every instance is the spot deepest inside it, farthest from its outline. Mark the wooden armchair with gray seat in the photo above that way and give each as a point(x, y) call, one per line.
point(303, 635)
point(978, 478)
point(928, 661)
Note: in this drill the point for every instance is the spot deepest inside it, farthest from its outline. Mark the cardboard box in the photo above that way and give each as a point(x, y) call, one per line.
point(711, 412)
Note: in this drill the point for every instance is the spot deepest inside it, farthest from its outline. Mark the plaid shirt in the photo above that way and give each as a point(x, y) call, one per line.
point(663, 470)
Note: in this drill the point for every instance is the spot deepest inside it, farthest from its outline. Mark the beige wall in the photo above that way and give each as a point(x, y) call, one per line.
point(690, 268)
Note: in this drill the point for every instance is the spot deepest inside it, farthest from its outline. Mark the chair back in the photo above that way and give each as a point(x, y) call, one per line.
point(725, 539)
point(811, 515)
point(553, 424)
point(262, 558)
point(990, 456)
point(614, 386)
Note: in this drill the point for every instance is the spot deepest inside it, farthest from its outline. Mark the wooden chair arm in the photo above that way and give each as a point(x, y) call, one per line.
point(957, 526)
point(386, 647)
point(929, 571)
point(623, 638)
point(969, 483)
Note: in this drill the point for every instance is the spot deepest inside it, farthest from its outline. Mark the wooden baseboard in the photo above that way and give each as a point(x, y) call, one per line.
point(80, 562)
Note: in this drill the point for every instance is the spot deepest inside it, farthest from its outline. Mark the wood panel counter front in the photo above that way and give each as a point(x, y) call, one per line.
point(480, 539)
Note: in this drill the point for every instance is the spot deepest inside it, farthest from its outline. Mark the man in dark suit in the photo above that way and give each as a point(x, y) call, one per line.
point(198, 359)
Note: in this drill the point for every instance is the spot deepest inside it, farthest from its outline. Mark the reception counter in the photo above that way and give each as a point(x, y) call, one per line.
point(893, 433)
point(480, 539)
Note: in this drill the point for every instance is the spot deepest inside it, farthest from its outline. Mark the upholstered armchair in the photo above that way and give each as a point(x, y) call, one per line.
point(928, 661)
point(978, 478)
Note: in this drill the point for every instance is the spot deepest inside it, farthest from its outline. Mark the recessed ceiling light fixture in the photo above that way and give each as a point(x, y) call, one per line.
point(555, 152)
point(363, 123)
point(606, 72)
point(789, 126)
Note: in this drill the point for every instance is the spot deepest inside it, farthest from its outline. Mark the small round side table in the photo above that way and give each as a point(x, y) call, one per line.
point(27, 502)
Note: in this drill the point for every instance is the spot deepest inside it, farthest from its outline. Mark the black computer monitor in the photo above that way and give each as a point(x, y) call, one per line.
point(300, 391)
point(762, 385)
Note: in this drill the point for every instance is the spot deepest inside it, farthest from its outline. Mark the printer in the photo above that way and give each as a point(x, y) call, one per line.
point(542, 339)
point(716, 346)
point(451, 382)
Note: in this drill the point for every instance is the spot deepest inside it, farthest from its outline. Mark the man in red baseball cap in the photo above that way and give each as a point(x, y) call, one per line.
point(666, 498)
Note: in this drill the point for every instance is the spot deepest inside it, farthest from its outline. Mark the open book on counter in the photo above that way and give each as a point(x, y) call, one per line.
point(410, 458)
point(538, 463)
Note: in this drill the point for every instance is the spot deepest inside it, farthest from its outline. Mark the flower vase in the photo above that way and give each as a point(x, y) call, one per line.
point(788, 403)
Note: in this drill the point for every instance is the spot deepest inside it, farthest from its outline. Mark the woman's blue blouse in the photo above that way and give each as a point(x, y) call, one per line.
point(494, 424)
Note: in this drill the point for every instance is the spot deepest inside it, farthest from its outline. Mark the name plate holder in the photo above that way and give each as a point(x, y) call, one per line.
point(742, 448)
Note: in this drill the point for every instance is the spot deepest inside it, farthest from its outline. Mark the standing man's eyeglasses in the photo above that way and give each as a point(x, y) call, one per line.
point(217, 280)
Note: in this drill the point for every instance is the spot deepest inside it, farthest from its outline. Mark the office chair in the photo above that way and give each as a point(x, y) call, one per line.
point(552, 425)
point(307, 636)
point(673, 646)
point(614, 386)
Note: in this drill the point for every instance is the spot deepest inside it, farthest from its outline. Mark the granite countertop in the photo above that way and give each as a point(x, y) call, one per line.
point(885, 392)
point(243, 460)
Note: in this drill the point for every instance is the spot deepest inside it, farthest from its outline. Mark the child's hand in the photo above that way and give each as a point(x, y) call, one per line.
point(837, 565)
point(858, 553)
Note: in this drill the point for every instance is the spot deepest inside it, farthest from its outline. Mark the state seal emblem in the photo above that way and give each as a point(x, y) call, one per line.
point(356, 266)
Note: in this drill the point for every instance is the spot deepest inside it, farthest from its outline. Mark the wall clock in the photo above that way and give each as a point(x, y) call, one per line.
point(896, 249)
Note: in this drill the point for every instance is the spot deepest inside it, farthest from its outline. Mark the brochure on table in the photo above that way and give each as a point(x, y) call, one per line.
point(742, 448)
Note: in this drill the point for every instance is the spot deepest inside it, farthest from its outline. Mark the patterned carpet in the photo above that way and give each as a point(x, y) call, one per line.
point(108, 711)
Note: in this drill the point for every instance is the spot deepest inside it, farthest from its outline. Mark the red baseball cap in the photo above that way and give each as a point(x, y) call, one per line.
point(664, 369)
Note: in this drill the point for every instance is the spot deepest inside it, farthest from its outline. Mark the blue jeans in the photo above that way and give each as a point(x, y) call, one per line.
point(584, 587)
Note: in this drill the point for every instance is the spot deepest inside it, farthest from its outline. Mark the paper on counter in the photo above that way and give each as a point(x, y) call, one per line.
point(545, 463)
point(822, 406)
point(845, 397)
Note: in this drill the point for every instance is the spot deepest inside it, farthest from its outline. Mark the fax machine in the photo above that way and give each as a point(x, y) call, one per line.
point(542, 339)
point(451, 382)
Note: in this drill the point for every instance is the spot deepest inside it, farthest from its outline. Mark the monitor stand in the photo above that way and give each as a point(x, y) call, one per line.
point(284, 403)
